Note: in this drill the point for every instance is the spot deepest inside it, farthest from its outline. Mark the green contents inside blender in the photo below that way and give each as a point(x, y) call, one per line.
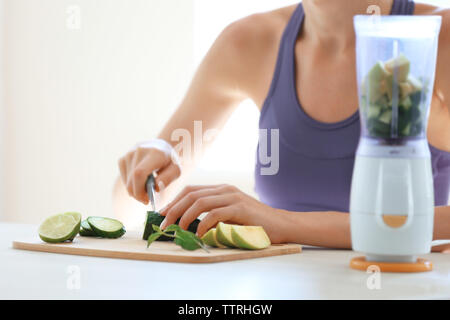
point(390, 84)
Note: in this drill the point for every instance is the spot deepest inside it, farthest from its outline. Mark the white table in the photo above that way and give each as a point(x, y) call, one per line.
point(313, 274)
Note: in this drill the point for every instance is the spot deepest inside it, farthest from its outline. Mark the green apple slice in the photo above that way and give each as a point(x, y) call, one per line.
point(249, 237)
point(223, 235)
point(210, 239)
point(59, 228)
point(399, 65)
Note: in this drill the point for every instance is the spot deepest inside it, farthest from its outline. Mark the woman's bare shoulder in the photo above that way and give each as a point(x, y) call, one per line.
point(251, 45)
point(427, 9)
point(444, 36)
point(257, 30)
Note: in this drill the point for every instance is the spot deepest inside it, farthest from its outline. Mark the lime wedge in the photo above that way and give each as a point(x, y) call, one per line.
point(59, 228)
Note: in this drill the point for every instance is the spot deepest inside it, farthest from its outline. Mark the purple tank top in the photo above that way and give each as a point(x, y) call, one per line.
point(316, 159)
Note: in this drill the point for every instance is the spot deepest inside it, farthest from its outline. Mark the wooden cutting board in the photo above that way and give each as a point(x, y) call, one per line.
point(131, 246)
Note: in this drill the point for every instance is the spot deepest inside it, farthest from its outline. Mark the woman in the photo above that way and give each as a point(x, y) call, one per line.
point(298, 65)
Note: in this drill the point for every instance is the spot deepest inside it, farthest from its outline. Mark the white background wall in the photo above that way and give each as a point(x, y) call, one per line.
point(78, 99)
point(75, 100)
point(2, 115)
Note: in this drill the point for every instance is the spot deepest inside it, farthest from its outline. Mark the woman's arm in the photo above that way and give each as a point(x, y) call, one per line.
point(322, 229)
point(442, 227)
point(332, 229)
point(234, 69)
point(228, 204)
point(225, 78)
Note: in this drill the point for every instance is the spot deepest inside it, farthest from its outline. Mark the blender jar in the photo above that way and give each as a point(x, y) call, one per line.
point(396, 61)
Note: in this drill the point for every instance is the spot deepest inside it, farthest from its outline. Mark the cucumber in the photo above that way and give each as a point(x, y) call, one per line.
point(106, 227)
point(86, 230)
point(86, 233)
point(154, 218)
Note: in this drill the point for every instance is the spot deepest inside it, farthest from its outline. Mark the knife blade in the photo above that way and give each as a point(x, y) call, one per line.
point(150, 186)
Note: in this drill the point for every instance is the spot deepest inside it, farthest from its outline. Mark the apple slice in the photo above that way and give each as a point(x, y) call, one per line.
point(252, 238)
point(223, 235)
point(210, 239)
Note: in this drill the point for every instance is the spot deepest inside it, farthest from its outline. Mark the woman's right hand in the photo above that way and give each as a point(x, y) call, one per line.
point(145, 159)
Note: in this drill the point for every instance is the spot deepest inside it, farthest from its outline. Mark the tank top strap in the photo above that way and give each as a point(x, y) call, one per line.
point(403, 7)
point(289, 35)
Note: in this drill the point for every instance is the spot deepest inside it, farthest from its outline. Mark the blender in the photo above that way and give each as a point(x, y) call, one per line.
point(392, 196)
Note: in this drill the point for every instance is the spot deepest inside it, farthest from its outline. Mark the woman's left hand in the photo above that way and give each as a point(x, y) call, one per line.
point(225, 204)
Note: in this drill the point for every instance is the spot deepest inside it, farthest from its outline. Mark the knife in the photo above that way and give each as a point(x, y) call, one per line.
point(150, 187)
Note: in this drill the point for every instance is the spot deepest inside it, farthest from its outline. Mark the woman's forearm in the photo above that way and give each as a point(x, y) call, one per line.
point(322, 229)
point(442, 223)
point(332, 229)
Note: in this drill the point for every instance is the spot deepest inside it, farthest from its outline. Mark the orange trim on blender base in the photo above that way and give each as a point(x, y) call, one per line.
point(422, 265)
point(394, 221)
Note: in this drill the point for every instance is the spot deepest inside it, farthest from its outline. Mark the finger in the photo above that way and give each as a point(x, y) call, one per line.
point(215, 216)
point(123, 170)
point(176, 211)
point(166, 176)
point(128, 167)
point(183, 193)
point(204, 204)
point(140, 175)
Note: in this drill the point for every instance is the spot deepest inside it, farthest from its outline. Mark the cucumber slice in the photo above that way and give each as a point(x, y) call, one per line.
point(86, 230)
point(85, 225)
point(106, 227)
point(59, 228)
point(87, 233)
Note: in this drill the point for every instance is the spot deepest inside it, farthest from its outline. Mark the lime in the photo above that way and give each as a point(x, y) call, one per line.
point(59, 228)
point(75, 215)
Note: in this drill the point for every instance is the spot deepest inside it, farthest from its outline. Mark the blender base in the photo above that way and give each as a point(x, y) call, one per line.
point(421, 265)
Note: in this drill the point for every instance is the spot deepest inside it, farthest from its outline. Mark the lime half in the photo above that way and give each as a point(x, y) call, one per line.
point(59, 228)
point(75, 215)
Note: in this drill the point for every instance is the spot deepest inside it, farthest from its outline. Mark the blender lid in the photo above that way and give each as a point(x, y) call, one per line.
point(397, 26)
